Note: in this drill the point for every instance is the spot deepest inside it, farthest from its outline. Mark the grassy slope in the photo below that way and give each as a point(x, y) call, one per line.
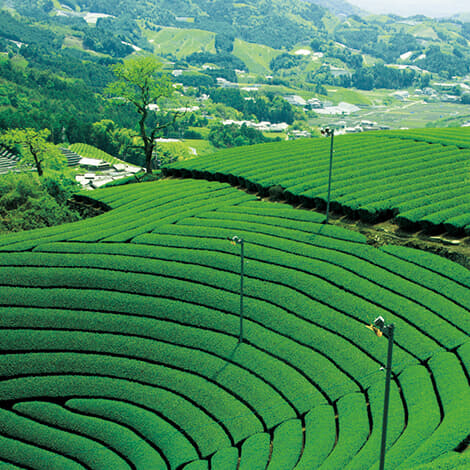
point(338, 94)
point(203, 147)
point(255, 56)
point(181, 42)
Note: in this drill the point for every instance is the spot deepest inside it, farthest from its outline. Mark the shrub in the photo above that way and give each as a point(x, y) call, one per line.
point(27, 203)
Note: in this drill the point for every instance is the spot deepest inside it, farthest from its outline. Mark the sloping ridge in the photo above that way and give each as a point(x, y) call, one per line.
point(417, 178)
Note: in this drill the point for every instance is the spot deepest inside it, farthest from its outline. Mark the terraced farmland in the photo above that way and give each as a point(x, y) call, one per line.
point(119, 338)
point(419, 177)
point(88, 151)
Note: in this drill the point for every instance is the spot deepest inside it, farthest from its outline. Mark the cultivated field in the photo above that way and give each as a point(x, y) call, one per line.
point(419, 177)
point(120, 345)
point(88, 151)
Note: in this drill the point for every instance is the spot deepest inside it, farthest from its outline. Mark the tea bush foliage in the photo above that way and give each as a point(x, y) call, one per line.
point(121, 340)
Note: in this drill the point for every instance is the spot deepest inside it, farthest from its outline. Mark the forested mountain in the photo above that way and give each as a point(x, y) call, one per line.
point(54, 62)
point(338, 7)
point(277, 23)
point(434, 45)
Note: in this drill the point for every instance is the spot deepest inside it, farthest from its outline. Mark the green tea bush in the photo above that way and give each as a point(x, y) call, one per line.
point(153, 431)
point(255, 452)
point(368, 454)
point(423, 414)
point(208, 435)
point(452, 386)
point(287, 445)
point(439, 265)
point(197, 465)
point(23, 453)
point(225, 459)
point(114, 437)
point(320, 437)
point(376, 176)
point(125, 328)
point(353, 431)
point(80, 450)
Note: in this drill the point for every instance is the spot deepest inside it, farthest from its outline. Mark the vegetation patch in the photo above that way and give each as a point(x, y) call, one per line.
point(120, 335)
point(418, 177)
point(26, 202)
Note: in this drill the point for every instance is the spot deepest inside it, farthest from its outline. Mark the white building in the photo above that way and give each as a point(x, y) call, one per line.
point(401, 95)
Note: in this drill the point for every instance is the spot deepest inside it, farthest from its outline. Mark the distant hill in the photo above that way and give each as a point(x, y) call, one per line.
point(338, 7)
point(54, 60)
point(275, 23)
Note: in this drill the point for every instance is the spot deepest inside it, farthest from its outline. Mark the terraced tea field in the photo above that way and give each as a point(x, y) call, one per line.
point(419, 177)
point(119, 338)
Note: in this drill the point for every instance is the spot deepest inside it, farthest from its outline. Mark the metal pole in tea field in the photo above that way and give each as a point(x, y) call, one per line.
point(329, 133)
point(239, 241)
point(380, 328)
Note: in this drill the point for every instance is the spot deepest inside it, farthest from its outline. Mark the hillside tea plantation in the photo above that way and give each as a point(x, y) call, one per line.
point(420, 177)
point(119, 333)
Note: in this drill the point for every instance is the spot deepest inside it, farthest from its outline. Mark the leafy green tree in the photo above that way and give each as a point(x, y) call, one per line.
point(170, 152)
point(465, 99)
point(142, 82)
point(224, 42)
point(284, 61)
point(117, 141)
point(223, 136)
point(34, 149)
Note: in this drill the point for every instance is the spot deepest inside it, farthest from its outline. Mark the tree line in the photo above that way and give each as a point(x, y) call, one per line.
point(264, 107)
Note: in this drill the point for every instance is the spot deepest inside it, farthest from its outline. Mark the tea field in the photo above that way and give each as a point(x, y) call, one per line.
point(420, 177)
point(119, 340)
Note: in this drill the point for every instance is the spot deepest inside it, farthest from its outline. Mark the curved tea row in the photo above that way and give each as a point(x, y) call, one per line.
point(120, 340)
point(420, 177)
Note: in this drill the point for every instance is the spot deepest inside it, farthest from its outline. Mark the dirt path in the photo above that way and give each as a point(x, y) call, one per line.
point(389, 233)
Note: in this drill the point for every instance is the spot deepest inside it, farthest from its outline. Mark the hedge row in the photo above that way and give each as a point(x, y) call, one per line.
point(235, 411)
point(250, 368)
point(353, 431)
point(154, 431)
point(330, 278)
point(255, 452)
point(287, 445)
point(213, 296)
point(369, 175)
point(23, 454)
point(142, 337)
point(453, 136)
point(225, 459)
point(78, 449)
point(452, 386)
point(159, 201)
point(277, 367)
point(207, 437)
point(369, 453)
point(295, 348)
point(423, 415)
point(409, 290)
point(320, 437)
point(108, 437)
point(361, 259)
point(428, 261)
